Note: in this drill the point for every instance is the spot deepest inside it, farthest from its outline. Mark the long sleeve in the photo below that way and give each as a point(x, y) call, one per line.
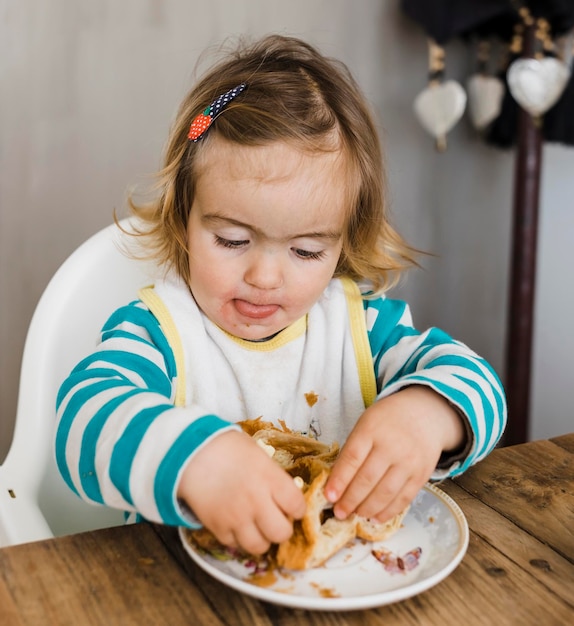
point(120, 440)
point(403, 356)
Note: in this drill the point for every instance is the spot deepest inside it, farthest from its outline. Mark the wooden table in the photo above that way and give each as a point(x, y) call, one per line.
point(519, 568)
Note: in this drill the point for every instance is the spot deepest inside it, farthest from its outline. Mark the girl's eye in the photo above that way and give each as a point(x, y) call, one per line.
point(308, 255)
point(230, 243)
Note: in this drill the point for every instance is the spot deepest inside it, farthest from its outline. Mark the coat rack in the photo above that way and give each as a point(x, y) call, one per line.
point(523, 269)
point(529, 28)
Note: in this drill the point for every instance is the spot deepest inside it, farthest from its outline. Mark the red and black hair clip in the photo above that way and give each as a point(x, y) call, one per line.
point(203, 121)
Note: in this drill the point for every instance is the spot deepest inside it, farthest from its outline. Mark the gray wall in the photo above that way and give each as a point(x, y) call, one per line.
point(88, 89)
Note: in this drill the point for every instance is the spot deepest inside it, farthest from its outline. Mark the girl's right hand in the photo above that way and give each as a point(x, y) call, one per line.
point(240, 494)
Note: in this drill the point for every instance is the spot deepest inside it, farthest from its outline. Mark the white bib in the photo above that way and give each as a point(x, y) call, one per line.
point(316, 375)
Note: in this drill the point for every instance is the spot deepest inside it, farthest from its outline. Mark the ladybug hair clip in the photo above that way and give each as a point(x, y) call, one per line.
point(204, 120)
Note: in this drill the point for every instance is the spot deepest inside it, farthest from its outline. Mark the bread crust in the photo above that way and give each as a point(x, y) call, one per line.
point(318, 535)
point(314, 541)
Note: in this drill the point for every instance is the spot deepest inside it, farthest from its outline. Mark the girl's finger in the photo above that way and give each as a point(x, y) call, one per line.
point(289, 498)
point(250, 539)
point(398, 504)
point(351, 458)
point(274, 526)
point(384, 492)
point(359, 490)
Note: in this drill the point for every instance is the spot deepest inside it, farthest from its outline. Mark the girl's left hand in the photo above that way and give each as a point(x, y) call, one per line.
point(392, 452)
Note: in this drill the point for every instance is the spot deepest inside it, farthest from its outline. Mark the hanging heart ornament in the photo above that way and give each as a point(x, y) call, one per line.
point(485, 94)
point(439, 107)
point(537, 84)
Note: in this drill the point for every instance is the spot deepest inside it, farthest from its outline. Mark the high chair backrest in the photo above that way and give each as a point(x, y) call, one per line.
point(98, 277)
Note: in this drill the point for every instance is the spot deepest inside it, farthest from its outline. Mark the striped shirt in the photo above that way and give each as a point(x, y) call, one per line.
point(164, 380)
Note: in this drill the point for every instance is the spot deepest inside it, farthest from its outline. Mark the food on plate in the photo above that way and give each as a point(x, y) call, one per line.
point(319, 534)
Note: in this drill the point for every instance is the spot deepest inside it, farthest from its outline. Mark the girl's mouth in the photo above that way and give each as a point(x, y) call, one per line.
point(255, 311)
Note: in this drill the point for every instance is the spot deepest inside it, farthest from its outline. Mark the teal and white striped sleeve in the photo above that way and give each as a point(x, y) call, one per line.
point(404, 356)
point(120, 441)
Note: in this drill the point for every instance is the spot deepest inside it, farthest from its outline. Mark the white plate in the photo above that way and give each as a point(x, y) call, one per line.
point(354, 579)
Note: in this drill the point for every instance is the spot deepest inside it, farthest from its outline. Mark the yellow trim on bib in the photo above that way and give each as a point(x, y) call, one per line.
point(363, 354)
point(282, 338)
point(156, 305)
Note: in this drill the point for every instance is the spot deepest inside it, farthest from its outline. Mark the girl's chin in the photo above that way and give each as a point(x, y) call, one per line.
point(254, 332)
point(250, 330)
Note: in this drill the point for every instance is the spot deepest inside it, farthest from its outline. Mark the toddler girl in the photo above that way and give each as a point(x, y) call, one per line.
point(272, 227)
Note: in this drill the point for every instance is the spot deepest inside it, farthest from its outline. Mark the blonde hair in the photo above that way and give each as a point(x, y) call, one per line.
point(294, 94)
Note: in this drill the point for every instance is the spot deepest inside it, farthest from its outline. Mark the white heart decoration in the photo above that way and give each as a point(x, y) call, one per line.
point(537, 84)
point(439, 107)
point(485, 94)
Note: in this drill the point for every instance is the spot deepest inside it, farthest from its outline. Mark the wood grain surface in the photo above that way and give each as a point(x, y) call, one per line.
point(518, 570)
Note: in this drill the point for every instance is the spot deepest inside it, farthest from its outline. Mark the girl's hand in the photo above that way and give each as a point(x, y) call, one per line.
point(392, 452)
point(240, 494)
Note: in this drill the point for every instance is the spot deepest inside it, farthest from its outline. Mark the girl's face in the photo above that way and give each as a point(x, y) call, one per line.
point(264, 234)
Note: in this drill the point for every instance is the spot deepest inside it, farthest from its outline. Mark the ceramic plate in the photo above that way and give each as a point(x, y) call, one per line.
point(426, 549)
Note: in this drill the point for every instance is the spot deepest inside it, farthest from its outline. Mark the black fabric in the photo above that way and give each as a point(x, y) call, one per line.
point(560, 13)
point(558, 123)
point(444, 20)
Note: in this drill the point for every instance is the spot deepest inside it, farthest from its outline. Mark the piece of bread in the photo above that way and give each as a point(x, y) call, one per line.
point(318, 535)
point(379, 531)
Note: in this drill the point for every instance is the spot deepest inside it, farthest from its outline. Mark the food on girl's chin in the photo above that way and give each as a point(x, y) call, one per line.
point(318, 535)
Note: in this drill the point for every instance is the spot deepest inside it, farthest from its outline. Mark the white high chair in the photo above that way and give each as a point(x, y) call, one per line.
point(98, 277)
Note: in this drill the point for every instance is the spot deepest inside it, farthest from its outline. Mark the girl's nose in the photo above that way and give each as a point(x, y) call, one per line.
point(264, 270)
